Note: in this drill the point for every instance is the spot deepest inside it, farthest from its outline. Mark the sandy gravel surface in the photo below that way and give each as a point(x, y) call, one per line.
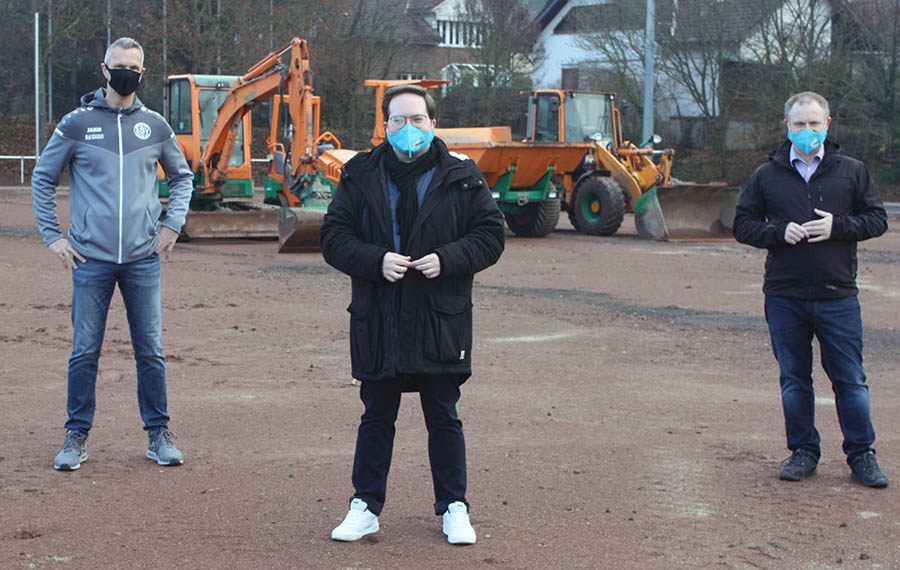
point(624, 413)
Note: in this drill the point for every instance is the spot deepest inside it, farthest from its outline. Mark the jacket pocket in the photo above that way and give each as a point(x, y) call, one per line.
point(153, 212)
point(366, 332)
point(447, 328)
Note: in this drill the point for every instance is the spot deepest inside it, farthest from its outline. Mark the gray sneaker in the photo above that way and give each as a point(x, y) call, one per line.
point(161, 448)
point(73, 452)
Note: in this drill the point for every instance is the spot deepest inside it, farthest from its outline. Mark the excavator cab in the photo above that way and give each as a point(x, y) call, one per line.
point(211, 119)
point(193, 106)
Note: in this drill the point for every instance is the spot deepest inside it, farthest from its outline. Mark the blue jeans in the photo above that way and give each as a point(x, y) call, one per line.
point(838, 326)
point(375, 439)
point(93, 284)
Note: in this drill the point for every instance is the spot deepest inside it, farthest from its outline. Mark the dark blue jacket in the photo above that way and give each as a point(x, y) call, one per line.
point(777, 194)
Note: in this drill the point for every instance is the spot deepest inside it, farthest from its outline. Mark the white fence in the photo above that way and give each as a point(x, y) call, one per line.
point(21, 160)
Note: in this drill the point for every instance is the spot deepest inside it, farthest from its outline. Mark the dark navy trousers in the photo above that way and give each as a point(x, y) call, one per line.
point(375, 438)
point(838, 325)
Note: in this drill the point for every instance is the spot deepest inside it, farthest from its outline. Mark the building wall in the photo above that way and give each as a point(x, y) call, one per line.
point(560, 50)
point(429, 59)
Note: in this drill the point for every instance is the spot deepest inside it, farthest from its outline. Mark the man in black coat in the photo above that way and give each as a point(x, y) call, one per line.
point(411, 223)
point(808, 206)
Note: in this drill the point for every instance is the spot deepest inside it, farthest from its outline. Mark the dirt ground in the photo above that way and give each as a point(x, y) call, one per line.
point(624, 413)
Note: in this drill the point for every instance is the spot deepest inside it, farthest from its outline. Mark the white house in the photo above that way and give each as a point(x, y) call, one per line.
point(745, 31)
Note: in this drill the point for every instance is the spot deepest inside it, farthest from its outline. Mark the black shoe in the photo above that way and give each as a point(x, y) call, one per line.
point(800, 465)
point(867, 472)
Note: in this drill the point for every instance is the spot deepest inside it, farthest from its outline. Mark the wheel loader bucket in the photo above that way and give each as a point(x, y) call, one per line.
point(298, 229)
point(686, 211)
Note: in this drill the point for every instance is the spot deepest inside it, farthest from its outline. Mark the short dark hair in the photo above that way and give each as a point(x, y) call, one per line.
point(401, 89)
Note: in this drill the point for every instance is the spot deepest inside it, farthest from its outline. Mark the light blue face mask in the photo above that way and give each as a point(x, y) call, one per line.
point(808, 140)
point(410, 139)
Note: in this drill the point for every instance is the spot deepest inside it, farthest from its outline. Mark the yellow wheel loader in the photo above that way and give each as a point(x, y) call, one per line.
point(616, 176)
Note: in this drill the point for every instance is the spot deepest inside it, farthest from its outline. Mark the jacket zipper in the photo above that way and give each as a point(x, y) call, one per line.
point(121, 182)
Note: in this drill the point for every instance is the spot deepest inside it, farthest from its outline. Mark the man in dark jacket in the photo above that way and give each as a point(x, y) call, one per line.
point(411, 223)
point(808, 206)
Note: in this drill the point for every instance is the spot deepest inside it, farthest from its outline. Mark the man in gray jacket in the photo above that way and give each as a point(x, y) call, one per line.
point(111, 145)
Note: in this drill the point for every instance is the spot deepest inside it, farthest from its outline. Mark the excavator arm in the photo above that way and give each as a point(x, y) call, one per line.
point(285, 71)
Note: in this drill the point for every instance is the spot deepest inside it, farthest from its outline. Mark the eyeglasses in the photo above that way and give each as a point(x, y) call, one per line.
point(399, 121)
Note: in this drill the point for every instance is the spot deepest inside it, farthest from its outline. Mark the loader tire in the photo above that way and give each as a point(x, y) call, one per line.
point(537, 221)
point(598, 207)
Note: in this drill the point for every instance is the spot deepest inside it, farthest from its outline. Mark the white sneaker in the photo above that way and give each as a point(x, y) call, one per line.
point(358, 523)
point(457, 526)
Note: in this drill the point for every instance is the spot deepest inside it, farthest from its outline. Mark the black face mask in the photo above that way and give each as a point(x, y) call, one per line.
point(124, 81)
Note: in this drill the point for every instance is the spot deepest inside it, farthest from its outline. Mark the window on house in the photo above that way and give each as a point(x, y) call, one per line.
point(459, 34)
point(570, 78)
point(411, 75)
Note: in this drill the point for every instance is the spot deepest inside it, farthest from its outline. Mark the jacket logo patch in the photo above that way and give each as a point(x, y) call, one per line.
point(142, 131)
point(94, 134)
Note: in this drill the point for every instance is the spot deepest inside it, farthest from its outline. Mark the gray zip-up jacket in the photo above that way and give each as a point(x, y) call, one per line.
point(114, 200)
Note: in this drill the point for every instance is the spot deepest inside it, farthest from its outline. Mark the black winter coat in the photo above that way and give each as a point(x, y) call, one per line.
point(415, 325)
point(777, 194)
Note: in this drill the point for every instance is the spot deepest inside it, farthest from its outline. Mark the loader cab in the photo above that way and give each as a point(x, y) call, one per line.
point(193, 106)
point(572, 116)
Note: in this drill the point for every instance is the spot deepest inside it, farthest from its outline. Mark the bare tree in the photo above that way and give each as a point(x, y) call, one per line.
point(354, 40)
point(721, 60)
point(502, 50)
point(789, 50)
point(869, 44)
point(614, 32)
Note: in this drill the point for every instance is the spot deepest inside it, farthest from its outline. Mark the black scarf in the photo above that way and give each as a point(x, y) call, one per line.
point(404, 175)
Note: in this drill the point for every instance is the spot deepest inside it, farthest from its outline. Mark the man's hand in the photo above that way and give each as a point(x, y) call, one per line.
point(167, 239)
point(794, 232)
point(62, 249)
point(430, 265)
point(394, 266)
point(819, 230)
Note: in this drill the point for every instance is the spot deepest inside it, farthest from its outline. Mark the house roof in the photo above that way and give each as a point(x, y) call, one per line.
point(549, 11)
point(738, 18)
point(399, 20)
point(419, 6)
point(413, 27)
point(691, 21)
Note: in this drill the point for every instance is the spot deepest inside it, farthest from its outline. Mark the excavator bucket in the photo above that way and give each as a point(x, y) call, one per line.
point(298, 229)
point(249, 223)
point(686, 211)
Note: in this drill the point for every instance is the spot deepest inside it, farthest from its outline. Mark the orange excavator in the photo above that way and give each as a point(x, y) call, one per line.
point(211, 119)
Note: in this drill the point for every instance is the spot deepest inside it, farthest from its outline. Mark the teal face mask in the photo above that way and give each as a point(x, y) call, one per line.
point(410, 139)
point(807, 140)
